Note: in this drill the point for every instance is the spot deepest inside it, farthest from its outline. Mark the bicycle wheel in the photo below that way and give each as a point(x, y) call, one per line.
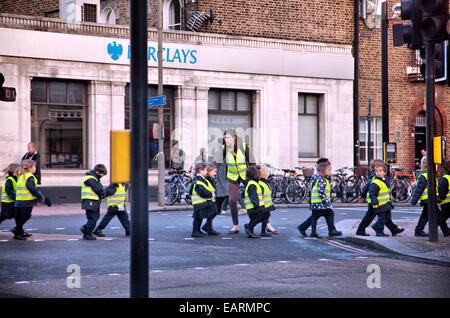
point(295, 191)
point(187, 197)
point(335, 189)
point(277, 189)
point(170, 193)
point(349, 190)
point(401, 191)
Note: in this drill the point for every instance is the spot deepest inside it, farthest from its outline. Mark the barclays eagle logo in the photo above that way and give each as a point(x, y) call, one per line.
point(114, 50)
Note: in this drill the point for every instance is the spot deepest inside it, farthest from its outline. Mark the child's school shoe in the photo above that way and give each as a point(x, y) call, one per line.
point(397, 231)
point(213, 233)
point(251, 234)
point(362, 233)
point(246, 229)
point(265, 234)
point(315, 235)
point(99, 233)
point(335, 233)
point(197, 234)
point(20, 237)
point(302, 231)
point(381, 234)
point(89, 237)
point(420, 233)
point(82, 229)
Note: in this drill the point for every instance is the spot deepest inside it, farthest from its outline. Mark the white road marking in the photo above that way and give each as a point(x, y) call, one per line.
point(151, 239)
point(188, 238)
point(283, 262)
point(171, 226)
point(199, 268)
point(30, 229)
point(323, 259)
point(73, 240)
point(114, 274)
point(60, 228)
point(108, 239)
point(284, 219)
point(38, 240)
point(3, 240)
point(361, 257)
point(227, 238)
point(22, 282)
point(157, 271)
point(114, 227)
point(241, 264)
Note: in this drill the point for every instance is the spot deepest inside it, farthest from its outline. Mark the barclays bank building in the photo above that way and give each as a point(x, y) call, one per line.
point(292, 101)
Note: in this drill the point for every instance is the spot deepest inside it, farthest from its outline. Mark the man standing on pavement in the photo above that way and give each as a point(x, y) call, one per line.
point(92, 193)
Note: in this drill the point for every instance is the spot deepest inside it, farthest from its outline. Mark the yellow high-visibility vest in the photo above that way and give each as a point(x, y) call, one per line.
point(86, 191)
point(236, 167)
point(267, 194)
point(196, 198)
point(117, 198)
point(424, 195)
point(384, 195)
point(22, 192)
point(447, 198)
point(5, 197)
point(248, 203)
point(315, 197)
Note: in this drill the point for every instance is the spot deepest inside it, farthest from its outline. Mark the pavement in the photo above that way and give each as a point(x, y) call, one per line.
point(405, 244)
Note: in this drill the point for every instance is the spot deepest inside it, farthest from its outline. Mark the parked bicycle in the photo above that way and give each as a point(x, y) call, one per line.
point(402, 185)
point(177, 187)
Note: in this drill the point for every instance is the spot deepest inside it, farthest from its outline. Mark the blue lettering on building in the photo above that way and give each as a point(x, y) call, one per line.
point(170, 55)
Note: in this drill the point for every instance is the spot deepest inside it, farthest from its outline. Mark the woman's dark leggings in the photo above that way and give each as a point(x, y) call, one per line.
point(22, 216)
point(233, 191)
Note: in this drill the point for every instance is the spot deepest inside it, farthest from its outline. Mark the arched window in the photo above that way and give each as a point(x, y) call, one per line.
point(108, 16)
point(174, 15)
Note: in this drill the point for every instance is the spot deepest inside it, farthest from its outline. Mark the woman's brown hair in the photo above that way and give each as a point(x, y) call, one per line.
point(26, 165)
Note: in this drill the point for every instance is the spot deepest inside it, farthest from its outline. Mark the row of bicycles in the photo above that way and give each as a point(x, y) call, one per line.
point(295, 185)
point(347, 183)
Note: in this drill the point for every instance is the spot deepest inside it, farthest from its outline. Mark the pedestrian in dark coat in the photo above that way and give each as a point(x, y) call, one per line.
point(201, 196)
point(116, 207)
point(210, 178)
point(8, 196)
point(254, 203)
point(92, 193)
point(27, 196)
point(444, 194)
point(421, 194)
point(34, 155)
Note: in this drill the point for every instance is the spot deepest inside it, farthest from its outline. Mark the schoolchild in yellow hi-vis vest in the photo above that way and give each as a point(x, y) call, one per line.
point(27, 196)
point(9, 192)
point(92, 193)
point(380, 198)
point(202, 197)
point(444, 195)
point(116, 197)
point(421, 194)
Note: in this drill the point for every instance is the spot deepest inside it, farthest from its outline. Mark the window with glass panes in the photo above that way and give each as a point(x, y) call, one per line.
point(228, 109)
point(308, 125)
point(175, 15)
point(59, 122)
point(376, 139)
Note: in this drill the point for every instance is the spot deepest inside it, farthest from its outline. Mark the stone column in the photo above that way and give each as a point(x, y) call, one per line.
point(201, 119)
point(99, 124)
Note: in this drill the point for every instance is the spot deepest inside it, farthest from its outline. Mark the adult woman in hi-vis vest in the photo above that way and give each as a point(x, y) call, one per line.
point(237, 157)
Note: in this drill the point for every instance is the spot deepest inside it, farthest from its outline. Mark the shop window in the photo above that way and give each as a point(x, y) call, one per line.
point(308, 125)
point(228, 109)
point(376, 139)
point(153, 120)
point(58, 122)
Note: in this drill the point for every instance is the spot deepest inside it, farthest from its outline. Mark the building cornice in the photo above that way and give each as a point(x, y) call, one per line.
point(211, 39)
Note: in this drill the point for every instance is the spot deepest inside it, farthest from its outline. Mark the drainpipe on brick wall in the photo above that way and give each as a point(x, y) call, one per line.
point(356, 86)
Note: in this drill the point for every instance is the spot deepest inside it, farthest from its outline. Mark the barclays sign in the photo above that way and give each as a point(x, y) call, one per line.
point(170, 54)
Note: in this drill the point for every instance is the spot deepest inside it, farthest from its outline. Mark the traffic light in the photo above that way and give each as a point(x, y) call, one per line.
point(440, 61)
point(409, 33)
point(7, 94)
point(434, 22)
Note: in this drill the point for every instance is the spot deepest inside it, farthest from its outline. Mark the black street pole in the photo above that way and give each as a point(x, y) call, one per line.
point(431, 180)
point(356, 86)
point(139, 150)
point(369, 126)
point(384, 76)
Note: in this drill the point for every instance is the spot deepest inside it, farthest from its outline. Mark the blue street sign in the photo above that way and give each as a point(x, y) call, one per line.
point(156, 101)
